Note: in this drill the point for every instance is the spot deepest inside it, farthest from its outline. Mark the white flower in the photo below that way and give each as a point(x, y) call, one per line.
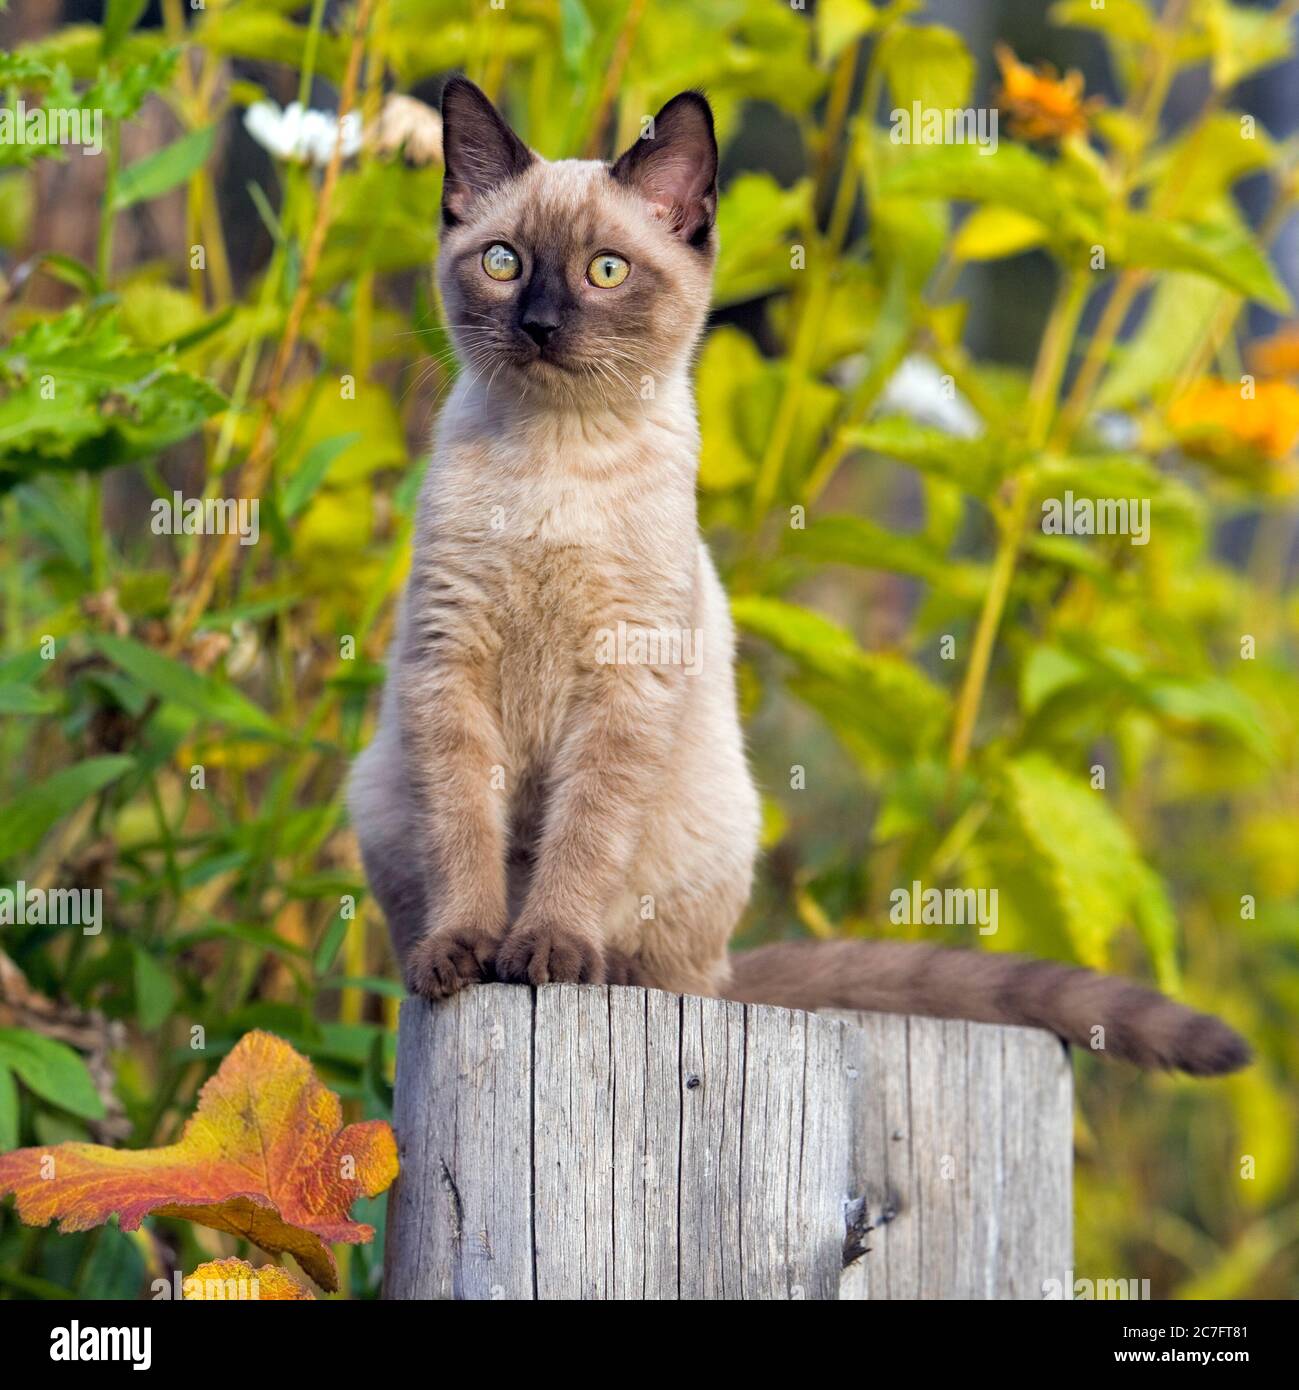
point(1116, 430)
point(920, 390)
point(300, 134)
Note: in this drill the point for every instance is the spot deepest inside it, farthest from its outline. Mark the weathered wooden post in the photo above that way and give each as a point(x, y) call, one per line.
point(963, 1151)
point(592, 1142)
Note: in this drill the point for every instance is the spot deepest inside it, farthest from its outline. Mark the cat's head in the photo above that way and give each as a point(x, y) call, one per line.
point(577, 280)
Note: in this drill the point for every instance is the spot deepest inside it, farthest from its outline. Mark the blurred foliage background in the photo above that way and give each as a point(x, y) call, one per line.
point(913, 345)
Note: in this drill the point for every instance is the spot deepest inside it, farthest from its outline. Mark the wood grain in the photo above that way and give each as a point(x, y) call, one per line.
point(612, 1143)
point(963, 1150)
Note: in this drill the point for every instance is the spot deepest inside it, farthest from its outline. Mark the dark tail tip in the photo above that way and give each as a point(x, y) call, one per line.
point(1205, 1046)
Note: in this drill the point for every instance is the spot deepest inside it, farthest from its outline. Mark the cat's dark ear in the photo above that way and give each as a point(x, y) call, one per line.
point(480, 151)
point(673, 166)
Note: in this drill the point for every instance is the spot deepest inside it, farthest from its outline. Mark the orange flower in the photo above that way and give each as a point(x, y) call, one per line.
point(1277, 355)
point(1221, 419)
point(1041, 105)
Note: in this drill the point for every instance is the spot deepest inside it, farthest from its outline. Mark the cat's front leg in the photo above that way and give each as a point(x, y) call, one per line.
point(457, 761)
point(609, 767)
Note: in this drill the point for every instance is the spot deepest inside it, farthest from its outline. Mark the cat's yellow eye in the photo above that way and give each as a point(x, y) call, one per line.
point(501, 263)
point(607, 270)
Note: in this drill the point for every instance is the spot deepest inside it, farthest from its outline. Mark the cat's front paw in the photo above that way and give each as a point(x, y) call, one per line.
point(622, 969)
point(449, 958)
point(544, 953)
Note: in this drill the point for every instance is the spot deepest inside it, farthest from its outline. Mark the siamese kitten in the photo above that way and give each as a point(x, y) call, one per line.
point(557, 789)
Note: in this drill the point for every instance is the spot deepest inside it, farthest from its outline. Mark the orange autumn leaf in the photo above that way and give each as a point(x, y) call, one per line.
point(236, 1280)
point(265, 1156)
point(1041, 106)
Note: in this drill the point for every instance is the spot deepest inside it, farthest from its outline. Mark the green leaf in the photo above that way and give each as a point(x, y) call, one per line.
point(22, 68)
point(371, 984)
point(1077, 667)
point(26, 819)
point(330, 944)
point(161, 172)
point(1122, 19)
point(155, 990)
point(23, 699)
point(120, 17)
point(262, 937)
point(1068, 198)
point(17, 208)
point(115, 1269)
point(52, 1070)
point(1223, 254)
point(909, 235)
point(731, 372)
point(1047, 671)
point(1245, 39)
point(1121, 477)
point(182, 342)
point(757, 222)
point(1081, 850)
point(976, 465)
point(245, 31)
point(386, 218)
point(739, 393)
point(1194, 703)
point(879, 705)
point(1194, 173)
point(72, 272)
point(113, 402)
point(1157, 924)
point(926, 63)
point(302, 486)
point(155, 314)
point(575, 34)
point(122, 90)
point(8, 1111)
point(371, 423)
point(815, 642)
point(1181, 309)
point(852, 540)
point(841, 22)
point(207, 696)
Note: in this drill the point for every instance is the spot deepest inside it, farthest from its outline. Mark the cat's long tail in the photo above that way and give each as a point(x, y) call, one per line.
point(898, 977)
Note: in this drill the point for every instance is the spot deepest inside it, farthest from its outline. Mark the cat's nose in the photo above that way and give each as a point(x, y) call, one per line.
point(539, 324)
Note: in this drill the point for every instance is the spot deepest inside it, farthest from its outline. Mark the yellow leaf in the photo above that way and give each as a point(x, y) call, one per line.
point(989, 233)
point(236, 1281)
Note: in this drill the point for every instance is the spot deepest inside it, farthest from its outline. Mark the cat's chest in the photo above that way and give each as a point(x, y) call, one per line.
point(529, 571)
point(544, 600)
point(546, 609)
point(541, 561)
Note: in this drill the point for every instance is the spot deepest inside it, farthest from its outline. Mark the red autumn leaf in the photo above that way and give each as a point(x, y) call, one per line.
point(265, 1157)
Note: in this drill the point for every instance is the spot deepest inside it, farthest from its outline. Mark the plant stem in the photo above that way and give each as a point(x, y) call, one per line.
point(256, 467)
point(1145, 104)
point(13, 575)
point(95, 533)
point(631, 20)
point(309, 53)
point(796, 372)
point(1052, 357)
point(107, 214)
point(811, 304)
point(836, 113)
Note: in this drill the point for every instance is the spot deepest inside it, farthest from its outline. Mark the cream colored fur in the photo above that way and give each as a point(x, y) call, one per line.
point(526, 809)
